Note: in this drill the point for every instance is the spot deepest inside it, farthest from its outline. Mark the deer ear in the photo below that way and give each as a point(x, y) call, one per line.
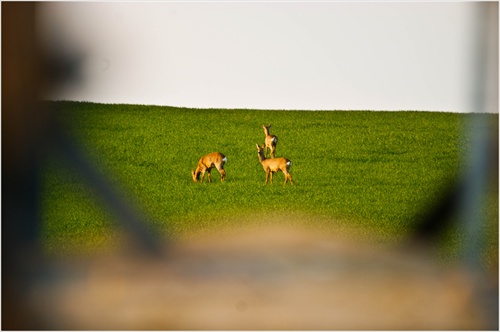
point(258, 146)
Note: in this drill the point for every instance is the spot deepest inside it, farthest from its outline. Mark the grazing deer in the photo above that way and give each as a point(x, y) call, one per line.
point(272, 165)
point(206, 163)
point(271, 140)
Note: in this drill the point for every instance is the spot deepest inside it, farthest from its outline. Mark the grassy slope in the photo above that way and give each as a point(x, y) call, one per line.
point(374, 171)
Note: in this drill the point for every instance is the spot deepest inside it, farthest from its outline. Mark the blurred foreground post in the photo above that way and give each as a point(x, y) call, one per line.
point(24, 129)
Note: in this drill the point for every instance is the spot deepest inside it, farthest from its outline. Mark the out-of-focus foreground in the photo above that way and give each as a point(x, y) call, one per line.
point(277, 278)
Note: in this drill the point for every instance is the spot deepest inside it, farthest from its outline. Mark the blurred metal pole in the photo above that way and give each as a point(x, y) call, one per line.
point(479, 162)
point(111, 197)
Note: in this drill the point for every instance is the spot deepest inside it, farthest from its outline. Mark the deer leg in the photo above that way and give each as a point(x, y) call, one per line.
point(288, 176)
point(208, 171)
point(267, 175)
point(222, 174)
point(202, 176)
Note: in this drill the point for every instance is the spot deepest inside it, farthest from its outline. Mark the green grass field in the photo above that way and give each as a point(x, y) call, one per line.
point(371, 173)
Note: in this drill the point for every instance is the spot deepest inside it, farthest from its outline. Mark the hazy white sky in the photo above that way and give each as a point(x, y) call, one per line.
point(270, 55)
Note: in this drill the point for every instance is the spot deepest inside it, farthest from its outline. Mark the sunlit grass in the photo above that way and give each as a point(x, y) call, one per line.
point(375, 172)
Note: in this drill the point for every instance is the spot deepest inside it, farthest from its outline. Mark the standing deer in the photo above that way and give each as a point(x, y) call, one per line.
point(206, 163)
point(272, 165)
point(271, 140)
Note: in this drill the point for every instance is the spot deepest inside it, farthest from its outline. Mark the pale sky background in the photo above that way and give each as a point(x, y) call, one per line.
point(273, 55)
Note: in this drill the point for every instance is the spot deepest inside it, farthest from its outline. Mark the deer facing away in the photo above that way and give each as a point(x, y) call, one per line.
point(206, 163)
point(272, 165)
point(271, 140)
